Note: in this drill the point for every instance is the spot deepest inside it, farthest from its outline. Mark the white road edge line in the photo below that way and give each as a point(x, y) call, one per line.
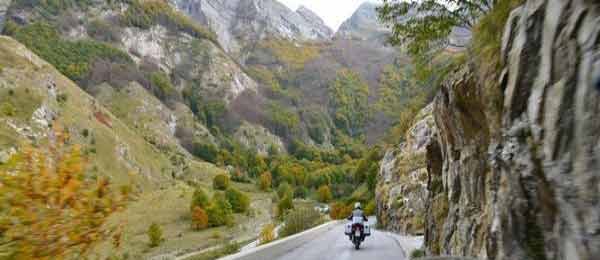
point(280, 247)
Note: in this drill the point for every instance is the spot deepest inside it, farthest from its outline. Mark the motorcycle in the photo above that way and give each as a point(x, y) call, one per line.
point(357, 231)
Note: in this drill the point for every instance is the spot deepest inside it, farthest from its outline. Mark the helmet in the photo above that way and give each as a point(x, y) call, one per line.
point(357, 205)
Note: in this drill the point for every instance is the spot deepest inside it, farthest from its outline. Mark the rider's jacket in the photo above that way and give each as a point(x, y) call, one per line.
point(358, 214)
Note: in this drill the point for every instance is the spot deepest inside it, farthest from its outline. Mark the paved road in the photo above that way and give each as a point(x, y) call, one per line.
point(335, 245)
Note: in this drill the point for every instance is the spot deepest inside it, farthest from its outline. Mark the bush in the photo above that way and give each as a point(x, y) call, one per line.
point(267, 234)
point(299, 220)
point(371, 208)
point(199, 199)
point(162, 88)
point(205, 151)
point(45, 196)
point(300, 192)
point(8, 109)
point(284, 189)
point(103, 31)
point(417, 253)
point(240, 202)
point(62, 98)
point(155, 235)
point(285, 204)
point(72, 58)
point(145, 14)
point(324, 194)
point(219, 211)
point(238, 175)
point(221, 182)
point(199, 219)
point(265, 181)
point(340, 211)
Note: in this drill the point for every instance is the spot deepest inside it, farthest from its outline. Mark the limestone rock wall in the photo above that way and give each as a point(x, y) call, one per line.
point(402, 187)
point(530, 188)
point(515, 170)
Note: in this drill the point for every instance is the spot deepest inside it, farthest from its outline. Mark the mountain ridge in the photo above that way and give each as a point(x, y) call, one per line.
point(238, 23)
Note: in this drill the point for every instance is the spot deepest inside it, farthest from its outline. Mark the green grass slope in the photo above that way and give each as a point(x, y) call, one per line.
point(34, 97)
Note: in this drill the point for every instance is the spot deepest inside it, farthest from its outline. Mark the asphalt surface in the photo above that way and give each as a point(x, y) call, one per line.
point(335, 245)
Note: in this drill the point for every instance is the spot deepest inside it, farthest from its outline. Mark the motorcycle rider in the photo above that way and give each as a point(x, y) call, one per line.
point(356, 225)
point(357, 212)
point(358, 217)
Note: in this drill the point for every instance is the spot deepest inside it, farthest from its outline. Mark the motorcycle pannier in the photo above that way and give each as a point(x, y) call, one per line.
point(367, 230)
point(348, 229)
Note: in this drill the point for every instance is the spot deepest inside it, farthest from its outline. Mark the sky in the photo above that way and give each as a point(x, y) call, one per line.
point(333, 12)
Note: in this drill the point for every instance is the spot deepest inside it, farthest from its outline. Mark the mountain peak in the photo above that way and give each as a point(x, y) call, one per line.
point(363, 24)
point(315, 20)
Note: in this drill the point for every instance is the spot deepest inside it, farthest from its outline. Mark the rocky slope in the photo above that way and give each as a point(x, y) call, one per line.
point(126, 135)
point(258, 138)
point(517, 156)
point(34, 96)
point(239, 23)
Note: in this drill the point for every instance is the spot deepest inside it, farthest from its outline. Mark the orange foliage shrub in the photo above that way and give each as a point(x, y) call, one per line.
point(49, 210)
point(199, 219)
point(340, 211)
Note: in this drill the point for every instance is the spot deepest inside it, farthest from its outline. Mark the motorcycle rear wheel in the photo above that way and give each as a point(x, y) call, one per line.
point(357, 244)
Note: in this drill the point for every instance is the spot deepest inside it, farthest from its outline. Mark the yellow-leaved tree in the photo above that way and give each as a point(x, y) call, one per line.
point(49, 209)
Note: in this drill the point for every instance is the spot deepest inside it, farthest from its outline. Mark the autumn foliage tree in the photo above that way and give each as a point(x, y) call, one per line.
point(199, 199)
point(49, 209)
point(284, 205)
point(265, 181)
point(220, 211)
point(199, 219)
point(240, 202)
point(324, 194)
point(221, 182)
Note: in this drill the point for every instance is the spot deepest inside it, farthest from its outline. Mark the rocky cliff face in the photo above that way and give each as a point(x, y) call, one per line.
point(402, 182)
point(4, 4)
point(238, 23)
point(549, 187)
point(514, 174)
point(459, 206)
point(363, 25)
